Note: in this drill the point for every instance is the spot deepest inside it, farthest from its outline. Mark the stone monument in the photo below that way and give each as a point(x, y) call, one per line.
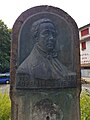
point(45, 66)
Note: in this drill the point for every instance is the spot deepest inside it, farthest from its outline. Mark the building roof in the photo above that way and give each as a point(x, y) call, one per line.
point(84, 26)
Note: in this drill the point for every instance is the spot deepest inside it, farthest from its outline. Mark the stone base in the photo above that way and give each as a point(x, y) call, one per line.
point(60, 104)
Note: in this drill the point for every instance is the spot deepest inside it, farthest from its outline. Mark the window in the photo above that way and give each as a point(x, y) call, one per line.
point(83, 45)
point(85, 32)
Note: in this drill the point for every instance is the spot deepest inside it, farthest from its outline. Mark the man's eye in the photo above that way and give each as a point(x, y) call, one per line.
point(45, 33)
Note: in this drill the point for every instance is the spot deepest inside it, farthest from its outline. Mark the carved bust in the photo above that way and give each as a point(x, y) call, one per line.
point(43, 63)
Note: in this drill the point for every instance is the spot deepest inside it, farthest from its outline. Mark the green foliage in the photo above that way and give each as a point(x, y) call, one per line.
point(85, 105)
point(5, 37)
point(5, 107)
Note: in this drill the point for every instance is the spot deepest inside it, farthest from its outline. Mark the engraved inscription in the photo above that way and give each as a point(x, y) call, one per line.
point(25, 82)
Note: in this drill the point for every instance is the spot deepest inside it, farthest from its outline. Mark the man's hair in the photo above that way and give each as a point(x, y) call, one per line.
point(35, 30)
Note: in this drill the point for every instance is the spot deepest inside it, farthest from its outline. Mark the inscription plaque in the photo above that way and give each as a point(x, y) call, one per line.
point(23, 81)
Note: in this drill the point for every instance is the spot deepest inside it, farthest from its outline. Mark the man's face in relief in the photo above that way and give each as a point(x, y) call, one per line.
point(47, 36)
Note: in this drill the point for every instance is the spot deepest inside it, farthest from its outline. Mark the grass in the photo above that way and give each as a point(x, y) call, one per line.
point(5, 107)
point(85, 105)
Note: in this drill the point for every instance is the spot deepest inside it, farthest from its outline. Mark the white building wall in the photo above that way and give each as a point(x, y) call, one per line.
point(85, 54)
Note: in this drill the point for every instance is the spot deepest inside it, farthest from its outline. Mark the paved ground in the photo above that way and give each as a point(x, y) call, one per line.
point(86, 79)
point(86, 87)
point(4, 88)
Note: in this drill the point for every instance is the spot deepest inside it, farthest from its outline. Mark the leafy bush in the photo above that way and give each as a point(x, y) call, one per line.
point(85, 105)
point(5, 107)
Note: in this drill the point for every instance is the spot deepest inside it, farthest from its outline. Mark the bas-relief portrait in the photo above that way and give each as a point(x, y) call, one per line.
point(43, 63)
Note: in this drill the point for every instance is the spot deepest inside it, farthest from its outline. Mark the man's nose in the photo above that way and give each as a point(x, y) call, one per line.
point(51, 37)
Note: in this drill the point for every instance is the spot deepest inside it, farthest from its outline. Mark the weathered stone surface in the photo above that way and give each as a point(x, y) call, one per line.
point(45, 67)
point(56, 105)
